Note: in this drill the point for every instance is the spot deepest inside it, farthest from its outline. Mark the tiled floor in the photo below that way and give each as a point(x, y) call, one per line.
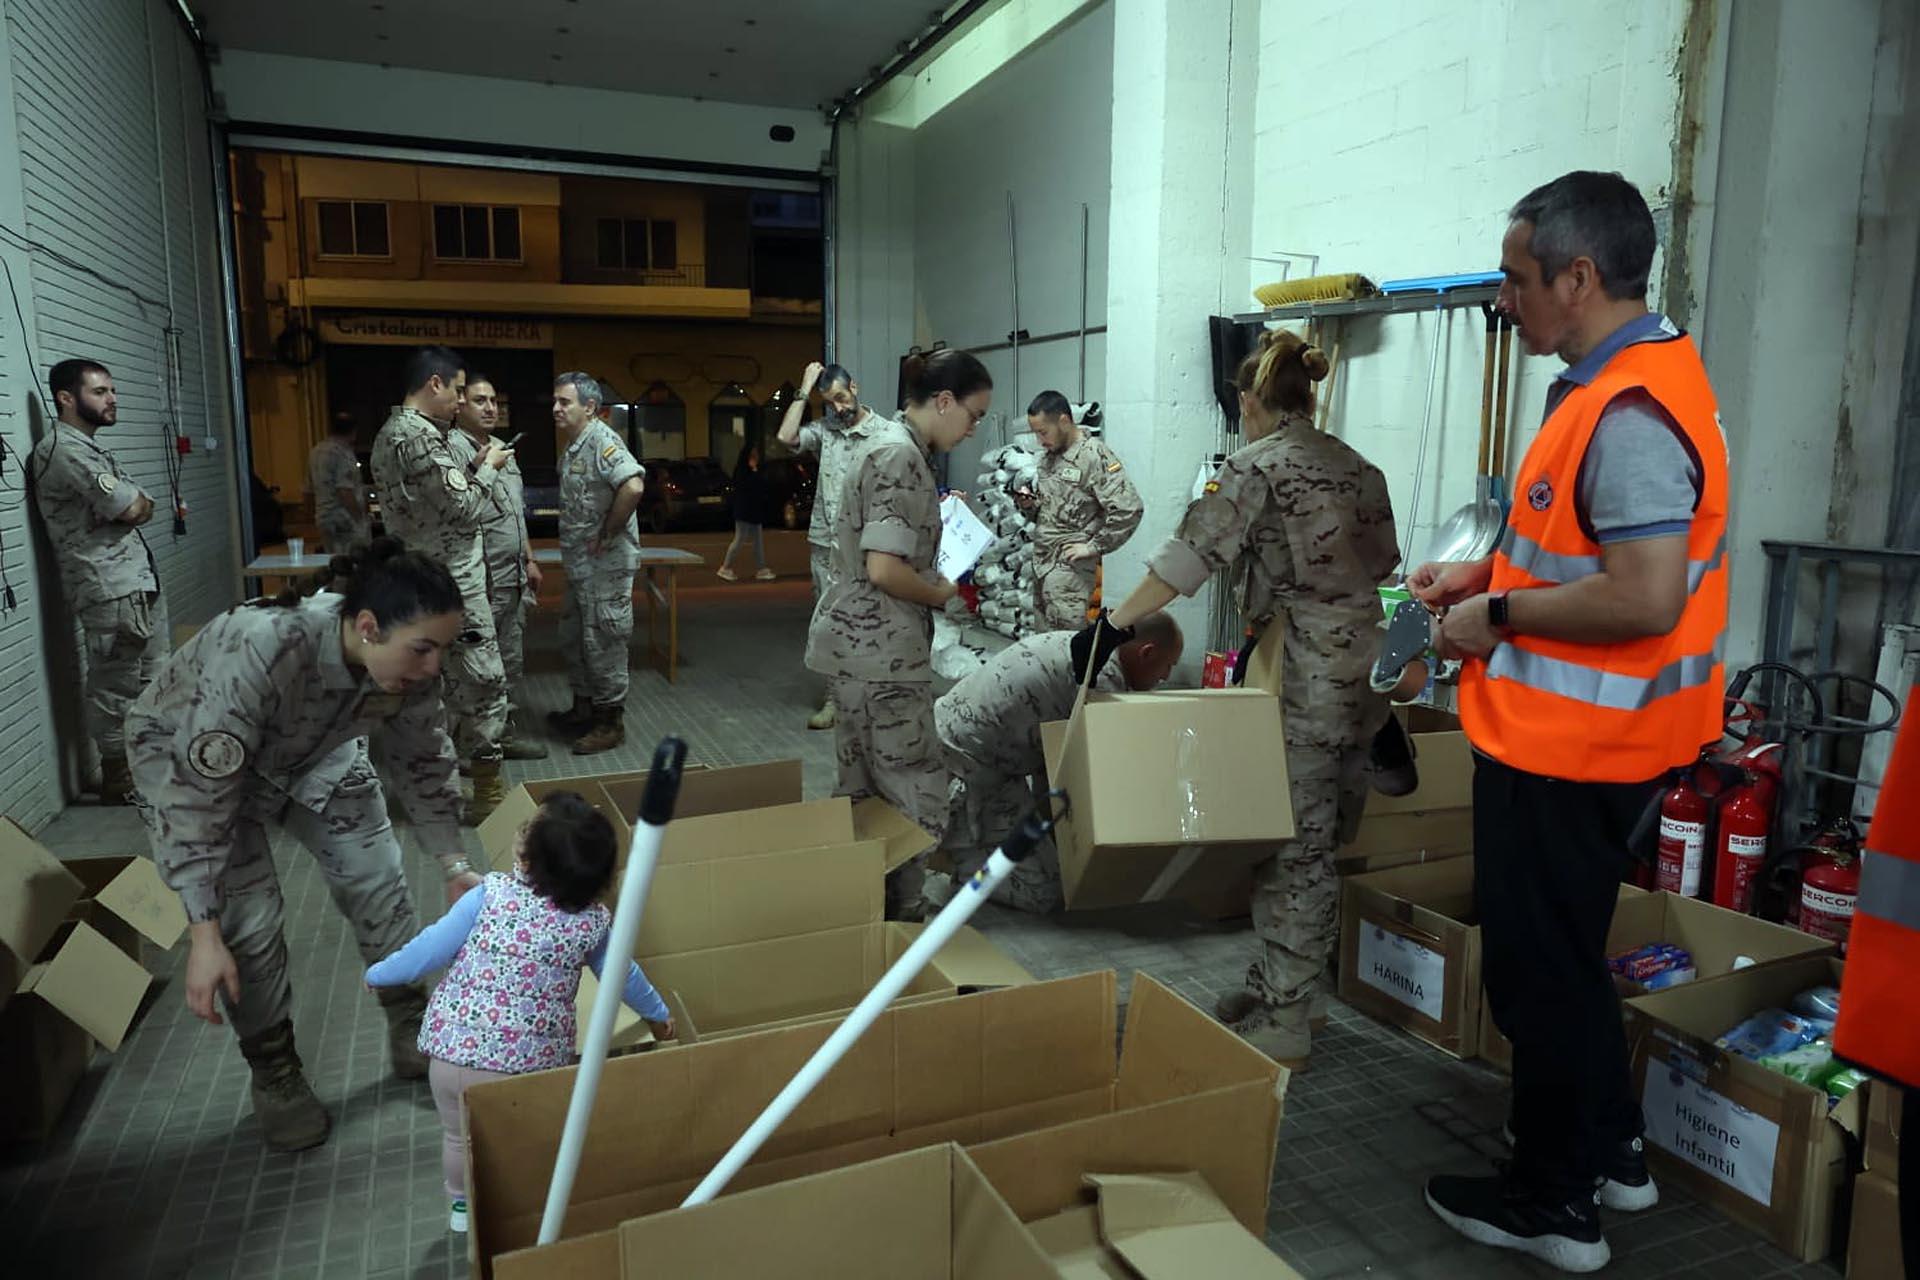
point(157, 1170)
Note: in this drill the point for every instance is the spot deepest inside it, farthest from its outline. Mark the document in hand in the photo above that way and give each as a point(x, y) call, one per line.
point(963, 538)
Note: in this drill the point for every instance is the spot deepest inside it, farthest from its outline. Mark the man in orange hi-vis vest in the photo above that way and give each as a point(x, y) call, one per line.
point(1592, 639)
point(1879, 1025)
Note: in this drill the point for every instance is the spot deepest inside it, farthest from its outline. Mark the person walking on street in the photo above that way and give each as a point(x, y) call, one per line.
point(93, 512)
point(1305, 526)
point(265, 717)
point(339, 494)
point(1592, 640)
point(1085, 508)
point(872, 634)
point(513, 579)
point(834, 439)
point(749, 515)
point(600, 489)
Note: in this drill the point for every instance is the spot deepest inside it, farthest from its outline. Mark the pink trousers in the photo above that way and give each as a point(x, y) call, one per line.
point(449, 1082)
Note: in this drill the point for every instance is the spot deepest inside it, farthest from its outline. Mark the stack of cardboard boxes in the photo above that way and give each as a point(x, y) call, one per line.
point(1873, 1251)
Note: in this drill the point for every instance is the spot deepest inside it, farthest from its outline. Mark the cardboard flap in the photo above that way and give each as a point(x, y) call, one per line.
point(971, 962)
point(728, 789)
point(1171, 1049)
point(1169, 1226)
point(769, 829)
point(875, 819)
point(36, 893)
point(1072, 1240)
point(94, 984)
point(138, 896)
point(695, 905)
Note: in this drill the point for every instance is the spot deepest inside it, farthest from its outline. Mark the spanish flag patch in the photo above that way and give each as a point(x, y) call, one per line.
point(1113, 466)
point(606, 454)
point(1212, 486)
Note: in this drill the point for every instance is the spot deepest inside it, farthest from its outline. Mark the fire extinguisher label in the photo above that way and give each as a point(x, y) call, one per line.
point(1838, 905)
point(1746, 853)
point(1681, 844)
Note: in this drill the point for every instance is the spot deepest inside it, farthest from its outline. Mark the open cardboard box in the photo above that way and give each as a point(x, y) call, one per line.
point(1155, 1226)
point(65, 983)
point(1410, 951)
point(1026, 1078)
point(1713, 935)
point(1174, 795)
point(1435, 819)
point(1873, 1241)
point(1882, 1145)
point(1764, 1149)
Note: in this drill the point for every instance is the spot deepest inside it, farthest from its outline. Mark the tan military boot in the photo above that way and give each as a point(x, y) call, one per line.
point(518, 744)
point(489, 789)
point(823, 718)
point(576, 719)
point(1234, 1007)
point(116, 781)
point(291, 1117)
point(404, 1007)
point(609, 731)
point(1281, 1031)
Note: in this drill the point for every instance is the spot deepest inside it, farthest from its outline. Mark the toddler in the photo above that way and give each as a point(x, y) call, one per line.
point(516, 944)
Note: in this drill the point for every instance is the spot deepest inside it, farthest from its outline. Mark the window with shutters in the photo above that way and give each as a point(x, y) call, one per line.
point(353, 229)
point(476, 233)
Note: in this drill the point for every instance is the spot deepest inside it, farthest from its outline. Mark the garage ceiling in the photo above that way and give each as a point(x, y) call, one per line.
point(783, 53)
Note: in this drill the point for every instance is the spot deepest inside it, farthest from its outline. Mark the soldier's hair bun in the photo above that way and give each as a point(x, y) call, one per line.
point(1315, 362)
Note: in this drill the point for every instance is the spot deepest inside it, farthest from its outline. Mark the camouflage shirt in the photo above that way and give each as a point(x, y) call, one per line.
point(835, 445)
point(428, 498)
point(503, 521)
point(260, 708)
point(993, 716)
point(1085, 496)
point(82, 492)
point(592, 469)
point(859, 632)
point(332, 467)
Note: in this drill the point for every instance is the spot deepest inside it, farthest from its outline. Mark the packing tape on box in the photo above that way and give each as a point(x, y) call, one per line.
point(1189, 808)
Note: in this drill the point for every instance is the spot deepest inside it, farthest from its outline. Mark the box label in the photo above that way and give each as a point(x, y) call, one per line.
point(1710, 1131)
point(1414, 975)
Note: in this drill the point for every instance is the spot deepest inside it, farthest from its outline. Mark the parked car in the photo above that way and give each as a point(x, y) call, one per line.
point(686, 493)
point(790, 490)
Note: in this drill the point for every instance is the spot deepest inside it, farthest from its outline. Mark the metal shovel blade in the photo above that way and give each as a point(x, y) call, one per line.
point(1470, 532)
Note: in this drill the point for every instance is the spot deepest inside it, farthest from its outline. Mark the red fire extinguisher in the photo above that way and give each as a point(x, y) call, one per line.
point(1830, 884)
point(1683, 837)
point(1743, 824)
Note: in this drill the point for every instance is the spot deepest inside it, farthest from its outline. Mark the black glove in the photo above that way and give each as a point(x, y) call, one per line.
point(1094, 645)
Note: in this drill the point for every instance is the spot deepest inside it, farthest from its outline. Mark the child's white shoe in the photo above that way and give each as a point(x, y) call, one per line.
point(457, 1217)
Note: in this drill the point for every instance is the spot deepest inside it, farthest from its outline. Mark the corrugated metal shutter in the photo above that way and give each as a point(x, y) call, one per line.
point(114, 165)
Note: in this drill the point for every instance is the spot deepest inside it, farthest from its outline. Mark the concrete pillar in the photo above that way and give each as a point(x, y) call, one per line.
point(874, 318)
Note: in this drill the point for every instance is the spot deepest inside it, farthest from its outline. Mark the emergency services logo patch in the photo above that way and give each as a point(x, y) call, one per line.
point(1540, 495)
point(216, 754)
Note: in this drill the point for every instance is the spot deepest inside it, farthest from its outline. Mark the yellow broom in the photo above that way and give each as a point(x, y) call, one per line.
point(1332, 288)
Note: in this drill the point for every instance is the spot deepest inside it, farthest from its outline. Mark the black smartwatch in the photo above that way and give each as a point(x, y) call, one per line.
point(1497, 614)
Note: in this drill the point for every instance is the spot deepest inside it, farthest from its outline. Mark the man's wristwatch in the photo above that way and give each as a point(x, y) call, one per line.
point(1497, 614)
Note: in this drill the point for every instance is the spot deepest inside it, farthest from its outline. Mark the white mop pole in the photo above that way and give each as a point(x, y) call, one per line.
point(1013, 850)
point(643, 855)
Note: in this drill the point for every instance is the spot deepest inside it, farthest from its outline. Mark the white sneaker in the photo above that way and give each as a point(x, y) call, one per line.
point(765, 575)
point(457, 1217)
point(725, 574)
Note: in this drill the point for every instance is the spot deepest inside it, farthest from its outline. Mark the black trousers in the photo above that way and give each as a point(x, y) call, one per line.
point(1910, 1180)
point(1548, 859)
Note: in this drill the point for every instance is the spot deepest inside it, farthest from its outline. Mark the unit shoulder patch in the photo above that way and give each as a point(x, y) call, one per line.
point(456, 479)
point(107, 483)
point(1113, 466)
point(606, 454)
point(216, 754)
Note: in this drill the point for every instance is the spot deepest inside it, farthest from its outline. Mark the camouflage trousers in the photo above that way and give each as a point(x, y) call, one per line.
point(820, 564)
point(885, 745)
point(983, 805)
point(595, 630)
point(476, 682)
point(127, 640)
point(345, 533)
point(1062, 590)
point(1296, 895)
point(510, 631)
point(352, 840)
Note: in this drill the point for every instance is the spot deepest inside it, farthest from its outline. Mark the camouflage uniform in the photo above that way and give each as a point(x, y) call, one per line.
point(1084, 496)
point(834, 446)
point(598, 623)
point(259, 719)
point(108, 575)
point(503, 541)
point(989, 726)
point(875, 650)
point(436, 503)
point(1306, 526)
point(330, 468)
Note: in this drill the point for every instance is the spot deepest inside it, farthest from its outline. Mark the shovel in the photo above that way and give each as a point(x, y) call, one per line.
point(1470, 532)
point(1502, 497)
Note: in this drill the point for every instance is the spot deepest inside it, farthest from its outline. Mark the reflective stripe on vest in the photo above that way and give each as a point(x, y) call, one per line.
point(1534, 560)
point(1608, 689)
point(1890, 889)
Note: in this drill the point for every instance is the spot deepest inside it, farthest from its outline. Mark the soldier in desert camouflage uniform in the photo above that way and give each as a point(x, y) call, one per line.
point(834, 438)
point(1305, 524)
point(1084, 508)
point(989, 727)
point(93, 512)
point(871, 635)
point(263, 717)
point(513, 579)
point(339, 495)
point(436, 503)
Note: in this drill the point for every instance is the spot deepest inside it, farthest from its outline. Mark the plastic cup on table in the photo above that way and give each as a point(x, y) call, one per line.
point(296, 547)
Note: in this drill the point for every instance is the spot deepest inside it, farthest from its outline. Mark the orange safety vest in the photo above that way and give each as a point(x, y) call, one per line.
point(1879, 1025)
point(1624, 712)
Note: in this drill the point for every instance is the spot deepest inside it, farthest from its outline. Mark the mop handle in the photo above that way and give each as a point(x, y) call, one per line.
point(942, 927)
point(643, 854)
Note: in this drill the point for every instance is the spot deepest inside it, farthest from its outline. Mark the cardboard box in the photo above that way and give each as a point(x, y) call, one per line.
point(1174, 795)
point(1873, 1244)
point(1714, 936)
point(1764, 1149)
point(1156, 1226)
point(1882, 1145)
point(921, 1215)
point(64, 983)
point(1026, 1078)
point(1435, 819)
point(1410, 951)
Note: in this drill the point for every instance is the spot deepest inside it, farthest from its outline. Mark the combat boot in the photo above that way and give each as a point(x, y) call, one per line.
point(116, 781)
point(574, 720)
point(291, 1117)
point(609, 731)
point(518, 744)
point(489, 789)
point(1281, 1031)
point(1234, 1007)
point(823, 718)
point(404, 1007)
